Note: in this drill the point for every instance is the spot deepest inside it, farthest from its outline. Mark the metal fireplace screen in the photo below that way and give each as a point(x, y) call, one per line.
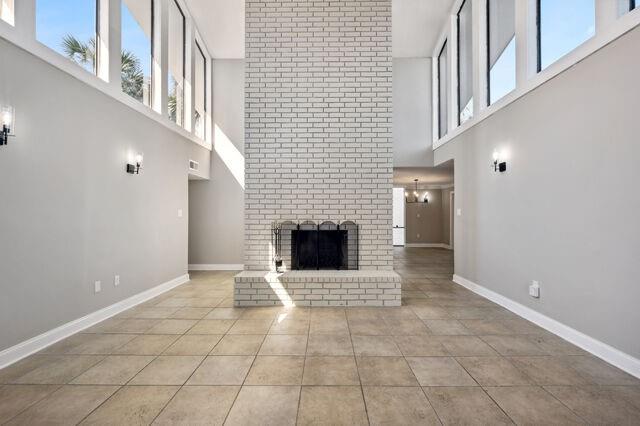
point(306, 245)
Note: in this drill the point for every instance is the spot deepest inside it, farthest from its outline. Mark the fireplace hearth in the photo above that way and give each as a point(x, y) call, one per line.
point(308, 246)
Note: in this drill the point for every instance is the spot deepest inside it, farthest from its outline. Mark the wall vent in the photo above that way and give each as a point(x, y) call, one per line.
point(194, 166)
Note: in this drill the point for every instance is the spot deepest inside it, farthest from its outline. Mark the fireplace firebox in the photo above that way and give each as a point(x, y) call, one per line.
point(316, 247)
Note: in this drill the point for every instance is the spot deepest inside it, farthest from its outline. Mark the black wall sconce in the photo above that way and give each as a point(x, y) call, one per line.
point(135, 164)
point(499, 165)
point(7, 115)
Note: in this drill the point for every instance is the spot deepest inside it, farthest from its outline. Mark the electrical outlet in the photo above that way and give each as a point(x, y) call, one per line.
point(418, 235)
point(418, 215)
point(534, 289)
point(116, 280)
point(459, 212)
point(97, 286)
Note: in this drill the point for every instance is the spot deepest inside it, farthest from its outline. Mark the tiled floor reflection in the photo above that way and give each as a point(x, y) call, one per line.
point(446, 356)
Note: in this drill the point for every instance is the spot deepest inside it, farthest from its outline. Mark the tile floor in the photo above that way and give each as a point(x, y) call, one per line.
point(446, 356)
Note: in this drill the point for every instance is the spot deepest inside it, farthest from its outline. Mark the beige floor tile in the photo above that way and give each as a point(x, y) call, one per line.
point(596, 405)
point(102, 344)
point(206, 326)
point(330, 370)
point(69, 345)
point(132, 405)
point(599, 371)
point(446, 327)
point(265, 405)
point(67, 405)
point(420, 346)
point(200, 344)
point(631, 394)
point(465, 406)
point(134, 326)
point(22, 367)
point(398, 406)
point(406, 326)
point(548, 370)
point(439, 371)
point(222, 370)
point(514, 345)
point(199, 405)
point(251, 326)
point(330, 325)
point(225, 313)
point(239, 344)
point(151, 344)
point(466, 346)
point(191, 313)
point(486, 327)
point(60, 369)
point(369, 327)
point(385, 371)
point(290, 326)
point(276, 370)
point(554, 345)
point(152, 312)
point(375, 346)
point(16, 398)
point(262, 313)
point(494, 371)
point(329, 344)
point(288, 344)
point(430, 312)
point(167, 370)
point(532, 405)
point(113, 370)
point(332, 405)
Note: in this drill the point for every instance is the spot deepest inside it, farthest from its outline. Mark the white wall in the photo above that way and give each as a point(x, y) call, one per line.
point(412, 134)
point(70, 213)
point(216, 207)
point(566, 211)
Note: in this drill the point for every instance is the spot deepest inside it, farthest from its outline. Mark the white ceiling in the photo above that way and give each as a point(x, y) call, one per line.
point(427, 176)
point(416, 26)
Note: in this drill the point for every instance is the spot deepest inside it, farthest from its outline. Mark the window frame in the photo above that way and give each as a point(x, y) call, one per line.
point(180, 120)
point(200, 50)
point(443, 49)
point(460, 107)
point(152, 41)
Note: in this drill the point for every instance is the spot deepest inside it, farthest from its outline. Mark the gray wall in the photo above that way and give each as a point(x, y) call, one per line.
point(566, 211)
point(216, 207)
point(412, 112)
point(424, 220)
point(70, 214)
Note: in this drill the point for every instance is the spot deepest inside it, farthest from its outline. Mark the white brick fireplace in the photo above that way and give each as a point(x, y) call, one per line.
point(318, 99)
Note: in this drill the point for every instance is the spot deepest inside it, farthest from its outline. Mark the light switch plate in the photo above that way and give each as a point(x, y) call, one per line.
point(459, 212)
point(534, 289)
point(179, 212)
point(97, 287)
point(116, 280)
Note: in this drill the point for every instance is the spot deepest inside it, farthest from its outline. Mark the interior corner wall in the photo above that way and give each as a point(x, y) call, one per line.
point(565, 213)
point(70, 214)
point(318, 114)
point(412, 134)
point(216, 206)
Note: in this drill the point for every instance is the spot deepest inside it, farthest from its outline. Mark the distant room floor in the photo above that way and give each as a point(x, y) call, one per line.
point(445, 356)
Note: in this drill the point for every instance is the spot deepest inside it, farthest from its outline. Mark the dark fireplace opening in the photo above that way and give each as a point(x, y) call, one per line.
point(319, 249)
point(307, 245)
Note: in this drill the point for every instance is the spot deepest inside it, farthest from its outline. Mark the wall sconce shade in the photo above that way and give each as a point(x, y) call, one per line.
point(7, 117)
point(135, 164)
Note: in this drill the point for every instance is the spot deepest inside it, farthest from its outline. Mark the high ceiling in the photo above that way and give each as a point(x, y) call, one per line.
point(416, 26)
point(427, 176)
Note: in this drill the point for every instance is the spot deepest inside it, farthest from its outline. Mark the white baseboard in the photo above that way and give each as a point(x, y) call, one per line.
point(428, 245)
point(600, 349)
point(35, 344)
point(217, 267)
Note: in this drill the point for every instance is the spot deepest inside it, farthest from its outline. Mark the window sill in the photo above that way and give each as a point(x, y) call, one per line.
point(624, 24)
point(43, 52)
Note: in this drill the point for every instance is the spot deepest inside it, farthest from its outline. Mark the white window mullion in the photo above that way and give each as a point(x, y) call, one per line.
point(526, 41)
point(189, 46)
point(480, 49)
point(606, 14)
point(435, 99)
point(109, 42)
point(24, 19)
point(161, 60)
point(453, 72)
